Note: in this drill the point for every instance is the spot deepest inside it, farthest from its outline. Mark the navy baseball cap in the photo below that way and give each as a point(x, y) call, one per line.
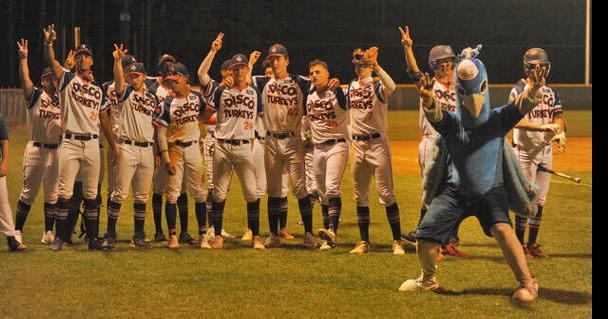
point(127, 60)
point(238, 59)
point(226, 65)
point(135, 68)
point(276, 50)
point(83, 49)
point(46, 72)
point(179, 70)
point(166, 57)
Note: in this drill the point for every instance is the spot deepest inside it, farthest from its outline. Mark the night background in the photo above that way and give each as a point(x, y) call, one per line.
point(309, 30)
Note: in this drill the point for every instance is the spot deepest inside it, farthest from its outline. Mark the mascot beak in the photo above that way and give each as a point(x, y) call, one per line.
point(473, 103)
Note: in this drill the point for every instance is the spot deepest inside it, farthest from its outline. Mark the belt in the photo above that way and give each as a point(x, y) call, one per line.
point(261, 138)
point(140, 144)
point(280, 135)
point(366, 137)
point(333, 141)
point(184, 144)
point(233, 142)
point(81, 137)
point(50, 146)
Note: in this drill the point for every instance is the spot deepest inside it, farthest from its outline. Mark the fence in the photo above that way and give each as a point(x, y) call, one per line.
point(12, 106)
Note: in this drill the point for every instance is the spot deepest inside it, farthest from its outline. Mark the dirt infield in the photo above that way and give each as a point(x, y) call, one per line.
point(577, 156)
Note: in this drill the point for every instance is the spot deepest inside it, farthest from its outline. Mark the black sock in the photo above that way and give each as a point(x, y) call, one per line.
point(157, 209)
point(253, 217)
point(61, 219)
point(23, 210)
point(520, 228)
point(274, 212)
point(75, 204)
point(171, 215)
point(49, 216)
point(283, 216)
point(201, 217)
point(209, 207)
point(139, 217)
point(305, 206)
point(113, 213)
point(91, 217)
point(182, 206)
point(218, 213)
point(334, 211)
point(535, 226)
point(363, 221)
point(392, 213)
point(325, 213)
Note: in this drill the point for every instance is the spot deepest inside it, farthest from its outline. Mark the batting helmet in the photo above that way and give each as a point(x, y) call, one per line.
point(536, 56)
point(439, 52)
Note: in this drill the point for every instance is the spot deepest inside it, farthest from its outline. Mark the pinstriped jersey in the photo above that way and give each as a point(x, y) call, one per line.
point(181, 117)
point(237, 112)
point(327, 114)
point(447, 99)
point(283, 101)
point(543, 113)
point(44, 117)
point(80, 102)
point(135, 112)
point(368, 106)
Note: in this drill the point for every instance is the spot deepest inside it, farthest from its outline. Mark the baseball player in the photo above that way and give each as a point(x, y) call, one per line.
point(328, 115)
point(177, 135)
point(237, 108)
point(283, 102)
point(80, 101)
point(134, 111)
point(532, 138)
point(40, 157)
point(159, 87)
point(367, 99)
point(441, 61)
point(7, 226)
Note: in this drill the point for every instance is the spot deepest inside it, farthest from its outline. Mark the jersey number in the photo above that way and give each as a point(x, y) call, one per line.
point(248, 125)
point(293, 111)
point(93, 116)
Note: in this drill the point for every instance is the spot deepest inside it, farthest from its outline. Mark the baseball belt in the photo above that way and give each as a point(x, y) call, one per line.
point(366, 137)
point(280, 135)
point(184, 144)
point(333, 141)
point(233, 142)
point(140, 144)
point(81, 137)
point(49, 146)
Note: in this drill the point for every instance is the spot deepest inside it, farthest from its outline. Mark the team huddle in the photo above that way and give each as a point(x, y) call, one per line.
point(278, 129)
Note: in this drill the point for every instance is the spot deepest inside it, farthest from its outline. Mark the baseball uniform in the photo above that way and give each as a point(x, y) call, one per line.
point(7, 226)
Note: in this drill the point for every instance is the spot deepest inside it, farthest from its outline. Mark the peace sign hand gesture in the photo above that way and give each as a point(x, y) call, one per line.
point(406, 40)
point(217, 43)
point(119, 52)
point(22, 49)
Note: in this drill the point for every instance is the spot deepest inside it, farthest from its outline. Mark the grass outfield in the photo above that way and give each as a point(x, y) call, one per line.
point(292, 282)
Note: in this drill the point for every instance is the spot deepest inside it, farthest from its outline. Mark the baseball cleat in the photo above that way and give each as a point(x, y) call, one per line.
point(451, 250)
point(272, 241)
point(95, 244)
point(248, 235)
point(109, 241)
point(56, 245)
point(225, 234)
point(160, 237)
point(310, 241)
point(203, 242)
point(397, 248)
point(47, 237)
point(14, 244)
point(217, 243)
point(419, 283)
point(528, 292)
point(18, 236)
point(139, 241)
point(324, 245)
point(257, 243)
point(535, 251)
point(185, 238)
point(328, 235)
point(285, 233)
point(361, 248)
point(173, 242)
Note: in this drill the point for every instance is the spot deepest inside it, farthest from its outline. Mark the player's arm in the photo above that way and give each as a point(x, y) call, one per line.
point(119, 78)
point(410, 60)
point(106, 128)
point(49, 52)
point(253, 59)
point(203, 69)
point(24, 71)
point(389, 86)
point(4, 147)
point(531, 95)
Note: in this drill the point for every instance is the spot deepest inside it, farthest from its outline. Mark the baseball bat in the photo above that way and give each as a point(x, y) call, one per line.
point(76, 37)
point(577, 180)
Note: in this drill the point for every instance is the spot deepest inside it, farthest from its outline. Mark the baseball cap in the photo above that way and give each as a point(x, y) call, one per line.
point(179, 70)
point(135, 68)
point(46, 72)
point(238, 59)
point(276, 50)
point(226, 65)
point(83, 49)
point(166, 57)
point(127, 60)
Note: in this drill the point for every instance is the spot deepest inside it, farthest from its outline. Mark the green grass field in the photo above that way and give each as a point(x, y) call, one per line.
point(295, 283)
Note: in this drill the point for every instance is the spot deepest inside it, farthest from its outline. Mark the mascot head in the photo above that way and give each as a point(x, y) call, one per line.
point(471, 83)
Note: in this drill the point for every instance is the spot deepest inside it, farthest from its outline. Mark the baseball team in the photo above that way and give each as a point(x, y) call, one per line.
point(277, 129)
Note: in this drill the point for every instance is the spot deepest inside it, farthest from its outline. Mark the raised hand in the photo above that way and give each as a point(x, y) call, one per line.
point(22, 49)
point(119, 52)
point(333, 84)
point(254, 57)
point(228, 82)
point(217, 43)
point(70, 60)
point(406, 40)
point(371, 56)
point(424, 87)
point(49, 33)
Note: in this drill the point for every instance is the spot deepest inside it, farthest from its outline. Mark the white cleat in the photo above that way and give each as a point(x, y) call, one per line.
point(225, 234)
point(325, 245)
point(397, 248)
point(272, 241)
point(19, 236)
point(257, 243)
point(328, 235)
point(47, 237)
point(419, 284)
point(248, 235)
point(527, 293)
point(203, 242)
point(361, 248)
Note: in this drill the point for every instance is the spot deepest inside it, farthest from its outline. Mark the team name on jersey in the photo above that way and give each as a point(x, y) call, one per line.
point(321, 110)
point(184, 113)
point(49, 108)
point(446, 99)
point(282, 94)
point(232, 106)
point(86, 94)
point(362, 98)
point(145, 104)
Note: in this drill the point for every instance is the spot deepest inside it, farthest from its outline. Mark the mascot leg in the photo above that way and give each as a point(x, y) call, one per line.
point(427, 281)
